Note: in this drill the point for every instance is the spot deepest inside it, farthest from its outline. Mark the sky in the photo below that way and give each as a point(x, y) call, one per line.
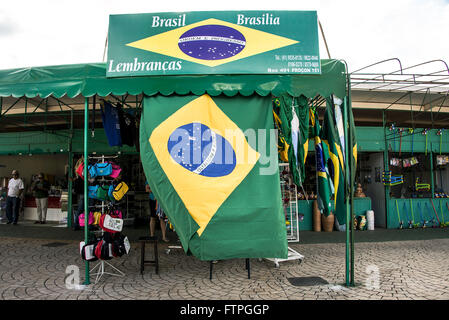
point(40, 33)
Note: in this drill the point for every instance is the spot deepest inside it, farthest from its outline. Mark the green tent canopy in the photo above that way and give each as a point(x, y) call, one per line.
point(90, 79)
point(252, 96)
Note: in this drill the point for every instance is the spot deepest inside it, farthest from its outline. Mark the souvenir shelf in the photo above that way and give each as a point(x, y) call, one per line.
point(289, 193)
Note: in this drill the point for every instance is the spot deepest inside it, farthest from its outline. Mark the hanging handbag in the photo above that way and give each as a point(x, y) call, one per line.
point(92, 191)
point(110, 191)
point(115, 170)
point(79, 167)
point(106, 253)
point(92, 169)
point(120, 190)
point(102, 193)
point(90, 219)
point(116, 214)
point(103, 169)
point(88, 251)
point(97, 216)
point(118, 245)
point(110, 224)
point(97, 250)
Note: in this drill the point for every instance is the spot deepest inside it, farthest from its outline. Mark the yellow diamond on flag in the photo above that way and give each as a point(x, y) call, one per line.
point(212, 42)
point(204, 155)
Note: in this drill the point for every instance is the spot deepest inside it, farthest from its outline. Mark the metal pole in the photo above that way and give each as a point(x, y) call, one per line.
point(348, 222)
point(86, 202)
point(324, 39)
point(46, 112)
point(70, 175)
point(431, 175)
point(25, 115)
point(351, 186)
point(386, 168)
point(69, 188)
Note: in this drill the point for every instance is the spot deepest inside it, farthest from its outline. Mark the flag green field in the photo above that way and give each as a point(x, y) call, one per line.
point(219, 209)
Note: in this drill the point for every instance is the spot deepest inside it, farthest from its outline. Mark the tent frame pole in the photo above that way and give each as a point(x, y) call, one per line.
point(348, 221)
point(86, 202)
point(351, 175)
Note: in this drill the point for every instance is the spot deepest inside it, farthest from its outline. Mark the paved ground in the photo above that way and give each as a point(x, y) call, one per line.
point(406, 269)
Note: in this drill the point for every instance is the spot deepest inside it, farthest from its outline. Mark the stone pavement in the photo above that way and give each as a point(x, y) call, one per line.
point(413, 269)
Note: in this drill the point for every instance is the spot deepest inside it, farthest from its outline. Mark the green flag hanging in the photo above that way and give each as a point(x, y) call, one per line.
point(206, 174)
point(293, 114)
point(353, 151)
point(333, 135)
point(324, 182)
point(331, 138)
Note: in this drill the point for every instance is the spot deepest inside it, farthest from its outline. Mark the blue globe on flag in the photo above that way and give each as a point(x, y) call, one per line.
point(200, 150)
point(212, 42)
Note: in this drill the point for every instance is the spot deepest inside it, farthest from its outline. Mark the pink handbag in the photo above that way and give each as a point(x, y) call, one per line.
point(115, 170)
point(81, 219)
point(116, 214)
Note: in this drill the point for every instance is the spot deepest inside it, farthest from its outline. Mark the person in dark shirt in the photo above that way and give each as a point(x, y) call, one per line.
point(40, 189)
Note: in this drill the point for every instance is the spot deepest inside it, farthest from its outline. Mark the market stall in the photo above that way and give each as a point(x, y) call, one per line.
point(235, 90)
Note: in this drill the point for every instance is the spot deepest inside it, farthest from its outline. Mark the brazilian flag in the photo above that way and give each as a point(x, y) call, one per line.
point(333, 137)
point(324, 182)
point(201, 161)
point(353, 163)
point(293, 113)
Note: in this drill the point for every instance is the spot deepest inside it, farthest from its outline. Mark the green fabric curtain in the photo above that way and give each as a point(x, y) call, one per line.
point(233, 215)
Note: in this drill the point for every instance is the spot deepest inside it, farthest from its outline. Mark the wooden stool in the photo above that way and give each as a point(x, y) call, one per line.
point(144, 262)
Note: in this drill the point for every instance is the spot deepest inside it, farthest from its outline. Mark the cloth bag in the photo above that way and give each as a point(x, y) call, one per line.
point(103, 169)
point(90, 219)
point(120, 190)
point(102, 193)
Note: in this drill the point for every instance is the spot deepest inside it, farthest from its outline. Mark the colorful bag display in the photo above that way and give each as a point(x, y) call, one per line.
point(120, 190)
point(110, 224)
point(92, 191)
point(98, 249)
point(110, 191)
point(102, 193)
point(103, 169)
point(118, 245)
point(90, 219)
point(79, 167)
point(92, 171)
point(116, 213)
point(115, 170)
point(97, 216)
point(88, 251)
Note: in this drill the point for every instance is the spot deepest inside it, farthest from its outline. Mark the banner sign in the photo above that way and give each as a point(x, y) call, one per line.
point(223, 42)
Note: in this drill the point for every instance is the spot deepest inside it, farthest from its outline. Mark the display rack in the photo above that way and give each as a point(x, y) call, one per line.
point(289, 194)
point(101, 264)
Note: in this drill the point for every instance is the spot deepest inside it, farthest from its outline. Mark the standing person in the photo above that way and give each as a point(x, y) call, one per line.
point(78, 189)
point(15, 189)
point(40, 189)
point(155, 213)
